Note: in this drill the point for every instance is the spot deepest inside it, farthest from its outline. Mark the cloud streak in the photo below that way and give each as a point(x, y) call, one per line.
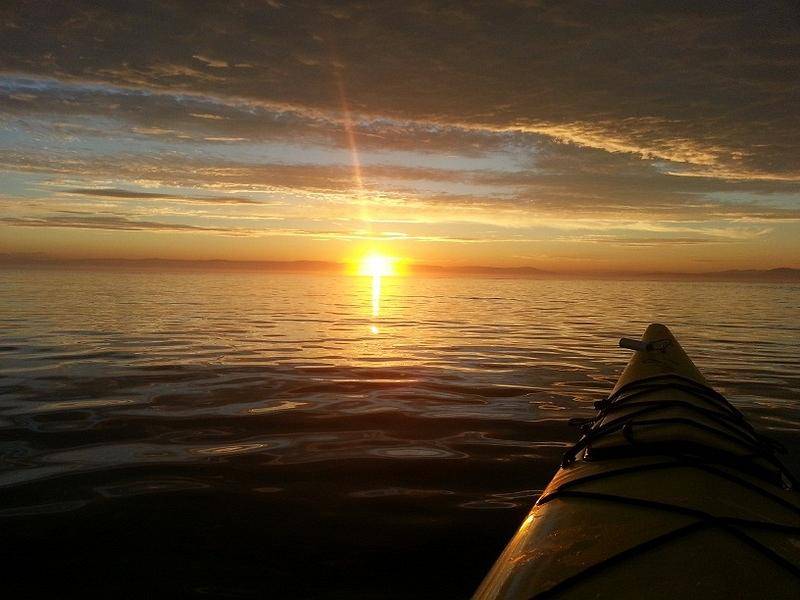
point(110, 223)
point(133, 195)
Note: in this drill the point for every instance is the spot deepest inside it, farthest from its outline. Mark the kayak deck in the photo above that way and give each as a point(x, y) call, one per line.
point(668, 492)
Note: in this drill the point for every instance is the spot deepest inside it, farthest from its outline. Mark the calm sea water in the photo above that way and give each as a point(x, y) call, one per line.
point(254, 435)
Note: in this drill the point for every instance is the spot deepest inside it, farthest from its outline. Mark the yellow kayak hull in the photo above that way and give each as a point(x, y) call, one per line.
point(668, 494)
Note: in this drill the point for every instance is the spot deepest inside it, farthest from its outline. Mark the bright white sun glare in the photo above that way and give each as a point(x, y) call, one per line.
point(377, 265)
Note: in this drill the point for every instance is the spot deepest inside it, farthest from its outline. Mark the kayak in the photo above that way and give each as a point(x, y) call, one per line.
point(669, 493)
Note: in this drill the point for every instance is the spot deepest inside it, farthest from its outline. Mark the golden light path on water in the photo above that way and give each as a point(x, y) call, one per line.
point(376, 295)
point(377, 266)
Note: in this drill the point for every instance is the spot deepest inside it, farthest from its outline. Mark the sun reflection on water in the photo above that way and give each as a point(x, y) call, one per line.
point(376, 295)
point(377, 266)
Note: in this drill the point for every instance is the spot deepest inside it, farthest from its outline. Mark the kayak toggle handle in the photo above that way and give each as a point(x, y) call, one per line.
point(642, 346)
point(630, 344)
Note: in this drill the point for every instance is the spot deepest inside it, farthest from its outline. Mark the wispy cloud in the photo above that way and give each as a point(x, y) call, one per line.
point(111, 223)
point(117, 193)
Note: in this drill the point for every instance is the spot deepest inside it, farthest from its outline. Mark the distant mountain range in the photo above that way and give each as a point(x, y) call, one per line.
point(783, 274)
point(36, 259)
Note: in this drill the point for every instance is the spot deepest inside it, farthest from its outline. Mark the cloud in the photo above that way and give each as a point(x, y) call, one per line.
point(710, 89)
point(217, 64)
point(656, 241)
point(117, 193)
point(121, 223)
point(561, 188)
point(112, 223)
point(192, 117)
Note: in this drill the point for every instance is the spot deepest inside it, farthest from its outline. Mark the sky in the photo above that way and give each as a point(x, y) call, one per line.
point(566, 136)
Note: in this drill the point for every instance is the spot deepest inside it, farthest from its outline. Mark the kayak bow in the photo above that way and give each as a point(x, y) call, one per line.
point(669, 493)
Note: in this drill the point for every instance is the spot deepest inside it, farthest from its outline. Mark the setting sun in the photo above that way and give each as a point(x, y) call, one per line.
point(377, 265)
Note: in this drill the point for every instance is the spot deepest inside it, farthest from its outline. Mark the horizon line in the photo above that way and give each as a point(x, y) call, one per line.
point(305, 265)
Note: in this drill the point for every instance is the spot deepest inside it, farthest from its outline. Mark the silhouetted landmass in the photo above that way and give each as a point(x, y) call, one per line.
point(36, 259)
point(481, 270)
point(782, 274)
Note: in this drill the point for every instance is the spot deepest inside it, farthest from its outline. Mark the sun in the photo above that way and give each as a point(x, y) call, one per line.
point(377, 265)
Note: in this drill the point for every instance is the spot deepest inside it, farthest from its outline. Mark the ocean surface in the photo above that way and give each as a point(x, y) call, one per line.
point(304, 436)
